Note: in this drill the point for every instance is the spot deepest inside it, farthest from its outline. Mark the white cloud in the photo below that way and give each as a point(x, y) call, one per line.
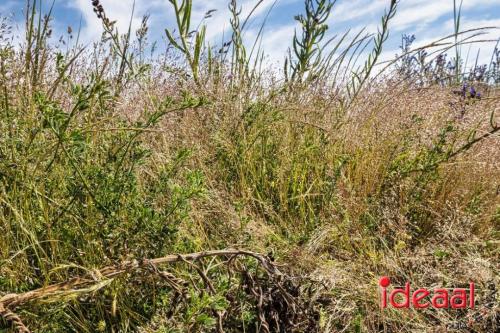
point(119, 10)
point(415, 16)
point(420, 14)
point(345, 11)
point(161, 14)
point(8, 6)
point(275, 41)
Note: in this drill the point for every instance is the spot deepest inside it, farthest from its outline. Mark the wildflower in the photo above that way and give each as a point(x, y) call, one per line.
point(478, 73)
point(441, 60)
point(407, 41)
point(464, 90)
point(472, 92)
point(98, 9)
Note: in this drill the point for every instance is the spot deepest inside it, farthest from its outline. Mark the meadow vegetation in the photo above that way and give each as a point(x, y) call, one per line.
point(333, 171)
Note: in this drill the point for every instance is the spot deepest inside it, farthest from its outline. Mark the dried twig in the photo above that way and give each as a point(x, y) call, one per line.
point(13, 319)
point(91, 281)
point(272, 296)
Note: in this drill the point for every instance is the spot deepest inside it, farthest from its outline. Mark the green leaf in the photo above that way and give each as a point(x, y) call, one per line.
point(173, 42)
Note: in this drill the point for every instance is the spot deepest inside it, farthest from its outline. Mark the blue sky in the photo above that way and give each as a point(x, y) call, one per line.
point(427, 19)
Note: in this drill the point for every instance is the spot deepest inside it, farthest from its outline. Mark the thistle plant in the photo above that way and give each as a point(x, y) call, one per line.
point(244, 64)
point(193, 54)
point(306, 48)
point(239, 58)
point(360, 78)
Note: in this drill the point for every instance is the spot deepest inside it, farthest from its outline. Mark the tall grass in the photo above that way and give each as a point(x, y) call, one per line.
point(337, 172)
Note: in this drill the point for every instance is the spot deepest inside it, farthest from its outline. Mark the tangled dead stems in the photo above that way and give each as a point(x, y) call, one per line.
point(13, 319)
point(93, 281)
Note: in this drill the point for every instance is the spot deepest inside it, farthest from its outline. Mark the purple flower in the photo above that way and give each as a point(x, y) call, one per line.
point(472, 92)
point(464, 89)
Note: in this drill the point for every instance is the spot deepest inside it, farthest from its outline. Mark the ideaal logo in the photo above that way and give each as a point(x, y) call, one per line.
point(422, 298)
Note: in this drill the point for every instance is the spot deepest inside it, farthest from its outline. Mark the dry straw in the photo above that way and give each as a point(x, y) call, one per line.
point(101, 278)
